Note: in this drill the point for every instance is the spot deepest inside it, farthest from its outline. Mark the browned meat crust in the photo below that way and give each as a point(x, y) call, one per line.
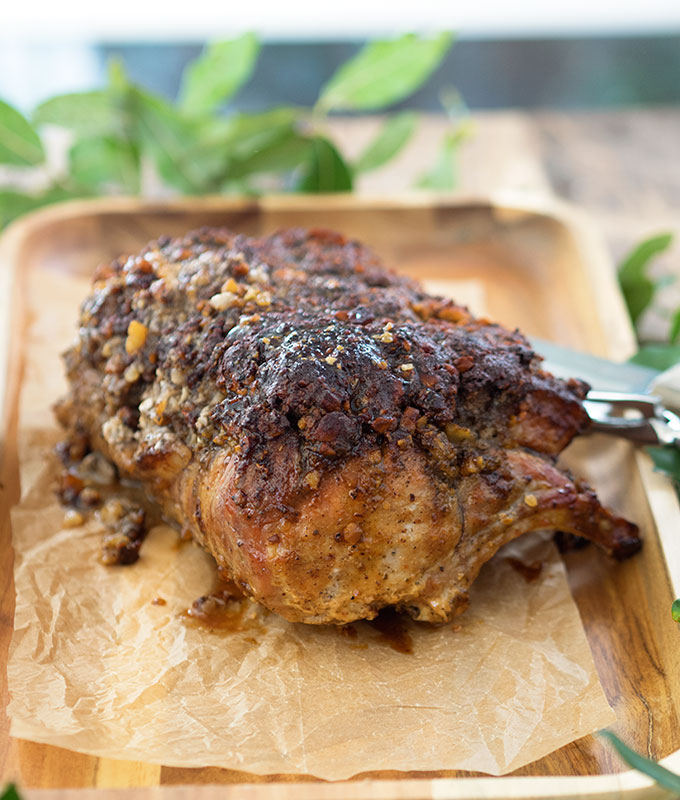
point(338, 439)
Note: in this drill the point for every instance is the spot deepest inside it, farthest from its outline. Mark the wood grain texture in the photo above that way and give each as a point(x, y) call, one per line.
point(537, 273)
point(114, 774)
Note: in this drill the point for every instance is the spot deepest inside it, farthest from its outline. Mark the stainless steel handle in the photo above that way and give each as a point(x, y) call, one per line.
point(639, 417)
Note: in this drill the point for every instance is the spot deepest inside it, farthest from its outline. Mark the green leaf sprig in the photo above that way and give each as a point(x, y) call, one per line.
point(443, 174)
point(639, 291)
point(122, 129)
point(675, 610)
point(383, 73)
point(218, 74)
point(395, 133)
point(20, 145)
point(638, 288)
point(662, 776)
point(666, 459)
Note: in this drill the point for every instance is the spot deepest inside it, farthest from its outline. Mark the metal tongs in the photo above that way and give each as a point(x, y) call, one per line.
point(639, 417)
point(628, 400)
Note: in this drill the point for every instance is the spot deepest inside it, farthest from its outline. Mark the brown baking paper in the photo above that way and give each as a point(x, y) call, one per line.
point(96, 667)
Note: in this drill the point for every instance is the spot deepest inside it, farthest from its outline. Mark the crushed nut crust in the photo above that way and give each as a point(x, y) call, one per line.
point(250, 384)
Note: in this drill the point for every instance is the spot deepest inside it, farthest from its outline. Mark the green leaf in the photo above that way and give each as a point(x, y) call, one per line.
point(14, 204)
point(395, 133)
point(249, 132)
point(280, 155)
point(196, 155)
point(675, 610)
point(666, 459)
point(637, 287)
point(84, 113)
point(219, 151)
point(20, 145)
point(10, 793)
point(102, 161)
point(216, 75)
point(243, 135)
point(664, 777)
point(119, 82)
point(121, 93)
point(326, 170)
point(674, 334)
point(168, 137)
point(383, 73)
point(657, 356)
point(443, 175)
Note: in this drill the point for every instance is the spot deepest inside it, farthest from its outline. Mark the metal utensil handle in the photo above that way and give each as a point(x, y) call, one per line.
point(638, 417)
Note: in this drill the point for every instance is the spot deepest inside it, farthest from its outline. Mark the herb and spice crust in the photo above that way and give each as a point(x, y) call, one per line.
point(338, 439)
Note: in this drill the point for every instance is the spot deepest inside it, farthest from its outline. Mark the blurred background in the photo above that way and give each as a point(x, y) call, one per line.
point(579, 98)
point(576, 55)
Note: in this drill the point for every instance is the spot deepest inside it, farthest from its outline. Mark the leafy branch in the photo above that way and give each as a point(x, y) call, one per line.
point(639, 291)
point(119, 131)
point(443, 174)
point(638, 288)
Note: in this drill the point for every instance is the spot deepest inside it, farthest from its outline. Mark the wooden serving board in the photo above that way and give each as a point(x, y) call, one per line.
point(539, 268)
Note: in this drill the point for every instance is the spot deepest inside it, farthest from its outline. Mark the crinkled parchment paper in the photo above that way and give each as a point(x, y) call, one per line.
point(96, 667)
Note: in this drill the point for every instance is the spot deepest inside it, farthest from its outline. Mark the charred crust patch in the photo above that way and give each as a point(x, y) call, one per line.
point(221, 341)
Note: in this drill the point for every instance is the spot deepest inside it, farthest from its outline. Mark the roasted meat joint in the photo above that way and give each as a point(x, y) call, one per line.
point(338, 440)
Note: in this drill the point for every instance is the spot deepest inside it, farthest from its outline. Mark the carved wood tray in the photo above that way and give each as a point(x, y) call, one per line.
point(542, 268)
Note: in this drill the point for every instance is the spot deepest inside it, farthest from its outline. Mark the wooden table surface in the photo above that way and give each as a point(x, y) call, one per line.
point(621, 167)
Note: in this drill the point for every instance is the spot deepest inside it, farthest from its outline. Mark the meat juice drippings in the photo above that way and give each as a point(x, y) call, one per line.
point(393, 631)
point(224, 609)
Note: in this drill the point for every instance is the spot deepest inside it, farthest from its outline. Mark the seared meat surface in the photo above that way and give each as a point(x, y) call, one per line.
point(336, 438)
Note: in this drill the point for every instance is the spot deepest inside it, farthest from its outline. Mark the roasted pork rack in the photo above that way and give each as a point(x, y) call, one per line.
point(338, 440)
